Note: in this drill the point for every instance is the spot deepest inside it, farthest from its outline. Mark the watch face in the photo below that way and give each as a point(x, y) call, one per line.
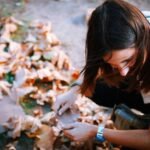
point(69, 116)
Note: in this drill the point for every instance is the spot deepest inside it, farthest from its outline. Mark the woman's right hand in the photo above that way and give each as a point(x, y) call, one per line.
point(65, 100)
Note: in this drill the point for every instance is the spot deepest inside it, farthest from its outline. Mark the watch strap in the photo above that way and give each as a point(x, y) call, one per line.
point(99, 135)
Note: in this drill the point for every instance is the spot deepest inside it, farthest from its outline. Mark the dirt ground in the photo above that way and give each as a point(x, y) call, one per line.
point(68, 20)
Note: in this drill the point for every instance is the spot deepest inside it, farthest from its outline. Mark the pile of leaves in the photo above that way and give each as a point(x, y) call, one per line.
point(33, 71)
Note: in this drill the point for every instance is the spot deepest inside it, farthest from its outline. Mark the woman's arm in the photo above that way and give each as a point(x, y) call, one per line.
point(138, 139)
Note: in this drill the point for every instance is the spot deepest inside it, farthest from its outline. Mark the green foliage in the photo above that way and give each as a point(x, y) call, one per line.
point(3, 140)
point(21, 143)
point(29, 105)
point(9, 77)
point(20, 34)
point(24, 143)
point(43, 86)
point(6, 49)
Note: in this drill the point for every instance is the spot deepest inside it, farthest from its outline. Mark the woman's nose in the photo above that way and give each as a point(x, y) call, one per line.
point(124, 71)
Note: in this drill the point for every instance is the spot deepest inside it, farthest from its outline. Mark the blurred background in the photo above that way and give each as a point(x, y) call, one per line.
point(68, 18)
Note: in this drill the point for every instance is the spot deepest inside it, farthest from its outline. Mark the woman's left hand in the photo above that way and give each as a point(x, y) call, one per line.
point(80, 131)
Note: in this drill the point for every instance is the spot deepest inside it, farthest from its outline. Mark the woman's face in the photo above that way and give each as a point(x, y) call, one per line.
point(122, 60)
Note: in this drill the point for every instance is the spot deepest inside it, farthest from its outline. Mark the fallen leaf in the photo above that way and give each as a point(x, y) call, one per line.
point(46, 138)
point(9, 109)
point(69, 116)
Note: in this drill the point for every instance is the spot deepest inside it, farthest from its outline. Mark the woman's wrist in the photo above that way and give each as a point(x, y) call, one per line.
point(100, 133)
point(93, 131)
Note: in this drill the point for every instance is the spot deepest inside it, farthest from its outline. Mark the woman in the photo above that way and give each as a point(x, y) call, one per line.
point(116, 71)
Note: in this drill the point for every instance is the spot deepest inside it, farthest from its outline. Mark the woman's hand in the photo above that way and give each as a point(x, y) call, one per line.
point(65, 100)
point(80, 131)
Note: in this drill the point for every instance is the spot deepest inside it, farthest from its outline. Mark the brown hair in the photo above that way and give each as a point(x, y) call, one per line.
point(117, 25)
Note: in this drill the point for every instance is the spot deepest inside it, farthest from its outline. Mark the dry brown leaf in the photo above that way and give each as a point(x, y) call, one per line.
point(36, 24)
point(15, 21)
point(70, 116)
point(49, 66)
point(27, 49)
point(5, 38)
point(49, 55)
point(17, 93)
point(31, 124)
point(5, 86)
point(14, 48)
point(24, 77)
point(42, 97)
point(14, 124)
point(20, 77)
point(59, 76)
point(51, 94)
point(4, 57)
point(52, 39)
point(47, 27)
point(9, 109)
point(10, 147)
point(49, 118)
point(75, 74)
point(36, 56)
point(60, 60)
point(27, 123)
point(3, 70)
point(2, 46)
point(10, 27)
point(59, 86)
point(42, 45)
point(30, 38)
point(44, 73)
point(46, 138)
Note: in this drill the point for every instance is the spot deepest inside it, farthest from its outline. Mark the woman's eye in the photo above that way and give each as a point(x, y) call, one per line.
point(125, 64)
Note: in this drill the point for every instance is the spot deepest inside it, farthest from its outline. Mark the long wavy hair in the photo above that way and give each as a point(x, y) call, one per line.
point(117, 25)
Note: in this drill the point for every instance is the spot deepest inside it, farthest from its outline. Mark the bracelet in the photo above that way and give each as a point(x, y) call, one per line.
point(99, 135)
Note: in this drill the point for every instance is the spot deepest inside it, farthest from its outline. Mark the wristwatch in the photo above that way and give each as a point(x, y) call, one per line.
point(99, 135)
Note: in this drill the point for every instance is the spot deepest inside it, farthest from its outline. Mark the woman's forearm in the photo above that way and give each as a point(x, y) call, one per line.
point(138, 139)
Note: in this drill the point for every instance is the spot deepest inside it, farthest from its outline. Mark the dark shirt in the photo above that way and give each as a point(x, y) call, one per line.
point(109, 96)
